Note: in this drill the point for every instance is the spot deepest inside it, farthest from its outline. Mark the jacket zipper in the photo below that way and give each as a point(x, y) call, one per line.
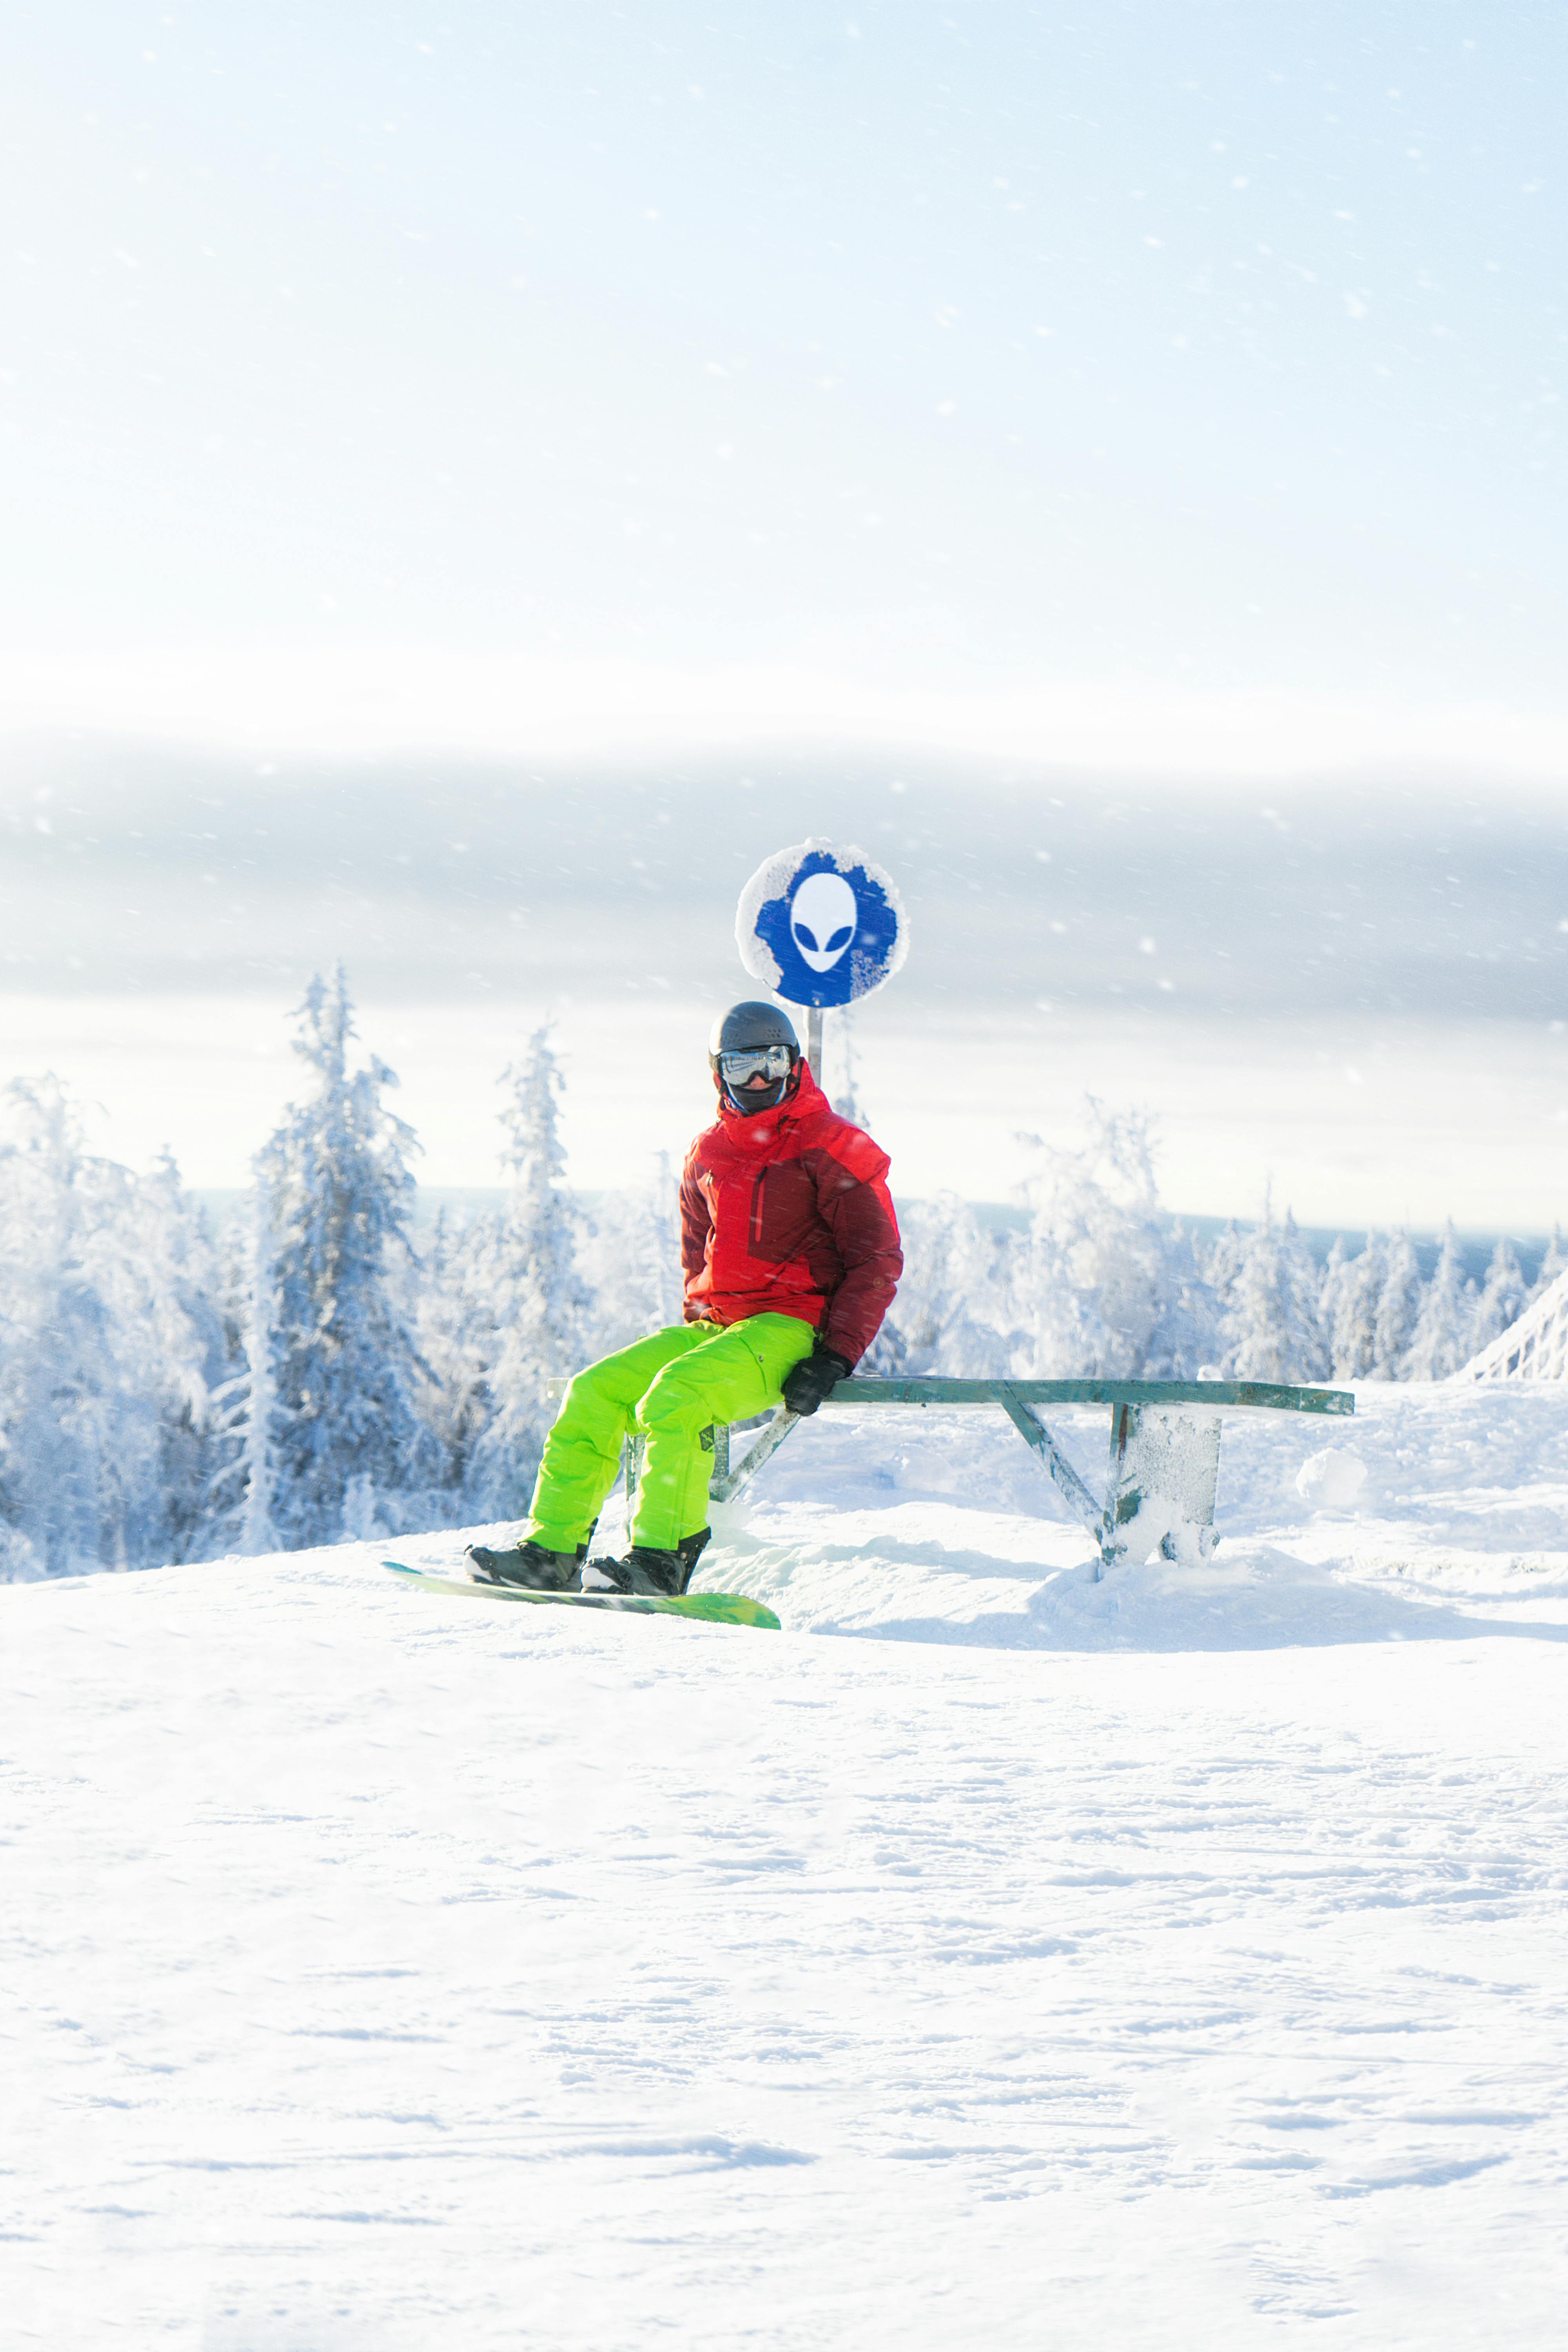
point(757, 1211)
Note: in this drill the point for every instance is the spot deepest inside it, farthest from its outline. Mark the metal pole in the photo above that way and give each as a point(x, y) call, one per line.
point(814, 1040)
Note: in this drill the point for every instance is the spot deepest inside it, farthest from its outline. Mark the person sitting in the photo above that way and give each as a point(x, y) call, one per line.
point(791, 1256)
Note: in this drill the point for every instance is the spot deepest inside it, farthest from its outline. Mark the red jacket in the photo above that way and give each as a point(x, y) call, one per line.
point(788, 1213)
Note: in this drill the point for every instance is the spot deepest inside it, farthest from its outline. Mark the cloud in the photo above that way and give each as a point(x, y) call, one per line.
point(442, 878)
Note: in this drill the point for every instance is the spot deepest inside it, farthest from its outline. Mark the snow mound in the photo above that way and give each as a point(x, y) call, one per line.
point(945, 1530)
point(385, 1969)
point(1334, 1480)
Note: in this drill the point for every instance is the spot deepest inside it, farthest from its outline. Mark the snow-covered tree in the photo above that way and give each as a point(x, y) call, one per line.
point(1440, 1343)
point(171, 1300)
point(1103, 1288)
point(1187, 1335)
point(952, 1313)
point(242, 1488)
point(1222, 1270)
point(1398, 1310)
point(333, 1340)
point(1271, 1328)
point(1554, 1262)
point(631, 1261)
point(457, 1341)
point(537, 1303)
point(1329, 1288)
point(109, 1344)
point(1502, 1297)
point(1347, 1308)
point(56, 1368)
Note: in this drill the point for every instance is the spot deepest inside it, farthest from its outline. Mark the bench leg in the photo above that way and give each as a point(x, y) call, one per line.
point(726, 1484)
point(1159, 1488)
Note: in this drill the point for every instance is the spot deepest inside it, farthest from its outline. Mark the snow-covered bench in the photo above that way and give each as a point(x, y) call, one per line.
point(1165, 1447)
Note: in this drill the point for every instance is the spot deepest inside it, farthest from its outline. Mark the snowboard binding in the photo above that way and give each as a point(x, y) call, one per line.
point(530, 1565)
point(645, 1570)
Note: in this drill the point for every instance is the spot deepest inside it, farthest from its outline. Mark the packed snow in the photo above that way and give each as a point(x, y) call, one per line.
point(994, 1955)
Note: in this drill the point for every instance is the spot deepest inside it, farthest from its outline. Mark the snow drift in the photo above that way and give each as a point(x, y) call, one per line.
point(1175, 1959)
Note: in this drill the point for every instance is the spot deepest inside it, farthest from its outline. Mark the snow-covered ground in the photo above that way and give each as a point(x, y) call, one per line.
point(992, 1955)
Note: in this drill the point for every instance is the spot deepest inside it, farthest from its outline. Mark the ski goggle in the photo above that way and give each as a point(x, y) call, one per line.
point(769, 1062)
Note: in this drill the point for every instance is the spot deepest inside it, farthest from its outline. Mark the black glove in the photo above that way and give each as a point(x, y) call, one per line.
point(813, 1379)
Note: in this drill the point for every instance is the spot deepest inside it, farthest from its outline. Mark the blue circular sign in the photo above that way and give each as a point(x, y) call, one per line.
point(821, 926)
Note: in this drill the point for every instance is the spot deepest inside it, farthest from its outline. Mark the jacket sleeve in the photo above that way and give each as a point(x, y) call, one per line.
point(696, 1224)
point(857, 1208)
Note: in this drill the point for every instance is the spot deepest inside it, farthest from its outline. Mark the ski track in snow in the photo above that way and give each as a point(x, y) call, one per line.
point(1171, 1960)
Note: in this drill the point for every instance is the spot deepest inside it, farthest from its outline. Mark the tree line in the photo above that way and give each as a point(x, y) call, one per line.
point(306, 1374)
point(1102, 1284)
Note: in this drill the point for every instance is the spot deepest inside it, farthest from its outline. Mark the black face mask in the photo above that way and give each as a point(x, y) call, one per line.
point(751, 1100)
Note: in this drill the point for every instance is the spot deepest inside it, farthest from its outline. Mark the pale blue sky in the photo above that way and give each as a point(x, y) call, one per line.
point(975, 399)
point(1147, 347)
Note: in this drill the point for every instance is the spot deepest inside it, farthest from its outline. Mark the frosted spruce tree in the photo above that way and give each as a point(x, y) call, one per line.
point(1347, 1308)
point(457, 1341)
point(631, 1262)
point(1398, 1310)
point(1329, 1288)
point(184, 1352)
point(1103, 1286)
point(953, 1309)
point(334, 1421)
point(1271, 1326)
point(1502, 1297)
point(108, 1347)
point(1553, 1263)
point(57, 1373)
point(1222, 1270)
point(536, 1306)
point(240, 1492)
point(1441, 1341)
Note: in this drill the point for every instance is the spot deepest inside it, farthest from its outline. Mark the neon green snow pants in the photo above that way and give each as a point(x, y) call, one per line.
point(669, 1387)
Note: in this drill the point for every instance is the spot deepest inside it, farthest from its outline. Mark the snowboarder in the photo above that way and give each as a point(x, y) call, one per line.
point(790, 1250)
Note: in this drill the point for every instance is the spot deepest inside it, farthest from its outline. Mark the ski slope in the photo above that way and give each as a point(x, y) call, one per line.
point(992, 1955)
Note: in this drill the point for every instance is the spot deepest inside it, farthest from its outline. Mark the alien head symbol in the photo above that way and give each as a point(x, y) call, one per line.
point(822, 919)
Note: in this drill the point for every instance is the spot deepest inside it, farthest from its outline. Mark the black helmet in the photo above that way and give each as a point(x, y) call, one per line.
point(757, 1031)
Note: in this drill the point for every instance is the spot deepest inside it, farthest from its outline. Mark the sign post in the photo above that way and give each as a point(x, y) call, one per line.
point(821, 927)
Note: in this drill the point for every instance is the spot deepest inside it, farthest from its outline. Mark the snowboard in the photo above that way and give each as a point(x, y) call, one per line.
point(709, 1608)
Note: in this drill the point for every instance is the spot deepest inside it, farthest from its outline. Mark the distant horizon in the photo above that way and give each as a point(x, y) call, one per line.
point(450, 705)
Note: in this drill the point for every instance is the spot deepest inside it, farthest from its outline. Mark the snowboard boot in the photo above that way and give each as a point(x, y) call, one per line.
point(528, 1564)
point(664, 1573)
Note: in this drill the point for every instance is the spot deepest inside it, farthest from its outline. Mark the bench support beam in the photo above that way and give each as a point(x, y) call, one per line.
point(1058, 1469)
